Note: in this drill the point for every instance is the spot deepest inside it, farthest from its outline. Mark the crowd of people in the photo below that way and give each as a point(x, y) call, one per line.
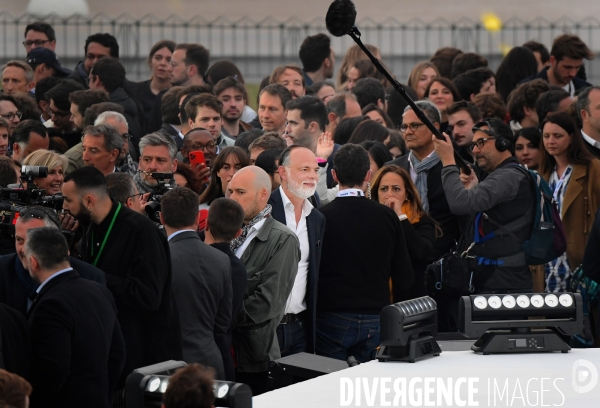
point(194, 228)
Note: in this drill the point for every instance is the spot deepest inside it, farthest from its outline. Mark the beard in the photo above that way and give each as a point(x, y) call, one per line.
point(84, 217)
point(298, 189)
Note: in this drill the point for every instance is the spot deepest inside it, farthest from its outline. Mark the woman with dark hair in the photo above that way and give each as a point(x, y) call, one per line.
point(393, 187)
point(573, 174)
point(442, 93)
point(227, 163)
point(344, 129)
point(379, 155)
point(527, 147)
point(159, 61)
point(185, 177)
point(369, 130)
point(360, 69)
point(378, 115)
point(396, 144)
point(518, 64)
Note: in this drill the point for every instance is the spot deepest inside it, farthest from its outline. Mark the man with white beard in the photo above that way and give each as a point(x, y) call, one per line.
point(292, 206)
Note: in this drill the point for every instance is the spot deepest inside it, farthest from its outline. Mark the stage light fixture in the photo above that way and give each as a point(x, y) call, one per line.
point(407, 330)
point(144, 388)
point(501, 322)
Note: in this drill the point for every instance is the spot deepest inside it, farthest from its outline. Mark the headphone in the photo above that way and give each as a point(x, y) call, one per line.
point(502, 143)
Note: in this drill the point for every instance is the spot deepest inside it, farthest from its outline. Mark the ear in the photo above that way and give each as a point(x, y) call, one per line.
point(89, 200)
point(30, 86)
point(16, 149)
point(472, 97)
point(191, 123)
point(380, 104)
point(281, 171)
point(368, 176)
point(129, 204)
point(33, 263)
point(237, 234)
point(162, 221)
point(114, 155)
point(206, 225)
point(528, 111)
point(583, 113)
point(552, 59)
point(332, 117)
point(314, 127)
point(192, 70)
point(174, 166)
point(334, 175)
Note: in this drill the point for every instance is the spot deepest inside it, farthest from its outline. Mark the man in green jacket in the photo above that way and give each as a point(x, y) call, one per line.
point(271, 252)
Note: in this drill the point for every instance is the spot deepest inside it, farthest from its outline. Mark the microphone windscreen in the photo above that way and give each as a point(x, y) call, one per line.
point(340, 18)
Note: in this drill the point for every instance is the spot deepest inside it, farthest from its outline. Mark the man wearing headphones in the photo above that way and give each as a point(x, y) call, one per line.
point(501, 209)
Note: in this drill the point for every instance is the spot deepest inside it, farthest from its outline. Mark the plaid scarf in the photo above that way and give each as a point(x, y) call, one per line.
point(239, 241)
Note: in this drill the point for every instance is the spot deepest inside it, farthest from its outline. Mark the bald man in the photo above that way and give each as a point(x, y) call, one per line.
point(271, 252)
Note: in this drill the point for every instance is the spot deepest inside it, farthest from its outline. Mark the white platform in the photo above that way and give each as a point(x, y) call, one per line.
point(517, 380)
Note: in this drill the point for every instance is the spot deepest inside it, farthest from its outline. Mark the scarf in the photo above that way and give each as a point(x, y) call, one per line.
point(239, 241)
point(128, 166)
point(409, 210)
point(141, 185)
point(422, 169)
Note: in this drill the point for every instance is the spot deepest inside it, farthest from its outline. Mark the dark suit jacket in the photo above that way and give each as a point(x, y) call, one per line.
point(315, 225)
point(77, 349)
point(578, 83)
point(172, 133)
point(15, 286)
point(238, 285)
point(14, 342)
point(202, 288)
point(439, 209)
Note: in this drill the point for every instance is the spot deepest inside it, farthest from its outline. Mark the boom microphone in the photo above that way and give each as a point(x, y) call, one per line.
point(340, 20)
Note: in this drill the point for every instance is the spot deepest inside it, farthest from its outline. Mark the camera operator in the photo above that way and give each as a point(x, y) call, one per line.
point(157, 155)
point(17, 289)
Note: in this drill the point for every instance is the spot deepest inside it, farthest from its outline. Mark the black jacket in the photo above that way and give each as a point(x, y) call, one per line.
point(137, 263)
point(16, 286)
point(173, 133)
point(77, 349)
point(363, 247)
point(578, 83)
point(315, 225)
point(438, 207)
point(133, 113)
point(14, 342)
point(238, 284)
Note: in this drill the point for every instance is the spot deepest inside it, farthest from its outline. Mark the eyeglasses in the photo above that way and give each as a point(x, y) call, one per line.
point(11, 116)
point(127, 136)
point(37, 43)
point(412, 126)
point(136, 195)
point(58, 114)
point(480, 143)
point(198, 146)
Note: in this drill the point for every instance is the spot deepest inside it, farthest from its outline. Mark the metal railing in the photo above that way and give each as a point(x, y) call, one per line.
point(258, 46)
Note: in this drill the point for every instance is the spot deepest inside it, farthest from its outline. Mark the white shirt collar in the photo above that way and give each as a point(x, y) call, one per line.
point(589, 140)
point(351, 192)
point(178, 232)
point(306, 205)
point(39, 289)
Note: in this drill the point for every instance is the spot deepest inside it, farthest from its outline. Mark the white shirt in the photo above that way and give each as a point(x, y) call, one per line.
point(296, 302)
point(39, 289)
point(253, 233)
point(570, 88)
point(413, 173)
point(181, 135)
point(177, 233)
point(589, 140)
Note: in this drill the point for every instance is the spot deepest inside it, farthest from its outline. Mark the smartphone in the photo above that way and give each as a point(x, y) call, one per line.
point(197, 157)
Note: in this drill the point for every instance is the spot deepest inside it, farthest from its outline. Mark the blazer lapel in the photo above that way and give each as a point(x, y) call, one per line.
point(574, 188)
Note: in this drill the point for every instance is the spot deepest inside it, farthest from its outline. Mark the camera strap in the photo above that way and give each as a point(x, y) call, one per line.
point(110, 227)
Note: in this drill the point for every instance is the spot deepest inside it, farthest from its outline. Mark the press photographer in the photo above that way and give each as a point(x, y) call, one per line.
point(157, 155)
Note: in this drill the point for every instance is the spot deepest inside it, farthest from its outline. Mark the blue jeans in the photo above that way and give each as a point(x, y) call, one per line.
point(341, 335)
point(292, 338)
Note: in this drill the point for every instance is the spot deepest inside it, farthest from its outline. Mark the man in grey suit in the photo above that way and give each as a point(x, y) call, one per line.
point(201, 280)
point(271, 252)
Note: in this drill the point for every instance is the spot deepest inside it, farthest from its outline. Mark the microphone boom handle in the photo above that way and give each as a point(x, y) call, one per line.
point(355, 35)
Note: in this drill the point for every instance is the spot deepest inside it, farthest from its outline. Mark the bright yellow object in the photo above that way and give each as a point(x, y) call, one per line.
point(491, 22)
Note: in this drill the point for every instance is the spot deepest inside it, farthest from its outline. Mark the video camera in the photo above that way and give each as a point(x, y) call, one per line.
point(163, 185)
point(14, 199)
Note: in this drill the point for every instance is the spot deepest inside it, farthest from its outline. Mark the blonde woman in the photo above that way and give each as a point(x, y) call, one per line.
point(420, 77)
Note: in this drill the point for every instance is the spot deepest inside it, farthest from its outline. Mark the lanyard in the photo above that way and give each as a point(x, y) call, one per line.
point(105, 236)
